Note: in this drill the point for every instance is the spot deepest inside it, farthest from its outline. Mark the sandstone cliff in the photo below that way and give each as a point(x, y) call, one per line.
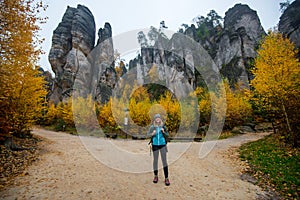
point(71, 55)
point(236, 46)
point(289, 23)
point(74, 57)
point(72, 41)
point(232, 47)
point(171, 63)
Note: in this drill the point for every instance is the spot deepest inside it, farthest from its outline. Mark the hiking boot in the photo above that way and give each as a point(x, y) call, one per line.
point(155, 180)
point(167, 182)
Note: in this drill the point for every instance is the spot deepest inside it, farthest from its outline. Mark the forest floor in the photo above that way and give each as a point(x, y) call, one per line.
point(67, 168)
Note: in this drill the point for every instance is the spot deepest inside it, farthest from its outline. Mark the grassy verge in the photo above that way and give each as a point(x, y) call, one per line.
point(274, 165)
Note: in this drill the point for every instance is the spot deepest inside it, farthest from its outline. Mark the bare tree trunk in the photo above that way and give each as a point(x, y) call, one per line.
point(286, 117)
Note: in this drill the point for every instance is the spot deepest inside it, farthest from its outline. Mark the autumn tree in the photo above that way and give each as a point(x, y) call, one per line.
point(67, 113)
point(204, 105)
point(60, 115)
point(51, 115)
point(22, 92)
point(239, 110)
point(189, 116)
point(139, 107)
point(172, 108)
point(106, 117)
point(276, 83)
point(84, 113)
point(55, 115)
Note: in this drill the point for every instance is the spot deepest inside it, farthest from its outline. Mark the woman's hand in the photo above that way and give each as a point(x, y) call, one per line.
point(163, 130)
point(153, 132)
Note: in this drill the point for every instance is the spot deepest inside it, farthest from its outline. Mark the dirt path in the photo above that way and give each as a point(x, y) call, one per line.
point(66, 170)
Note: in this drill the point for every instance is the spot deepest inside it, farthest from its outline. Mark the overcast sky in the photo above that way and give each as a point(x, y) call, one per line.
point(128, 15)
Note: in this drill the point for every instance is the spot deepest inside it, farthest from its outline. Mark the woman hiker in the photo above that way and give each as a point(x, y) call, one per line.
point(158, 133)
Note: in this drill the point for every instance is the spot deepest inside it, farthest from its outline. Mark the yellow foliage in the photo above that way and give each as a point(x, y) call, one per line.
point(22, 98)
point(234, 103)
point(139, 94)
point(218, 104)
point(200, 92)
point(61, 113)
point(238, 107)
point(276, 83)
point(120, 111)
point(172, 108)
point(119, 70)
point(106, 117)
point(139, 106)
point(189, 115)
point(139, 111)
point(22, 93)
point(277, 69)
point(51, 114)
point(67, 113)
point(84, 113)
point(204, 104)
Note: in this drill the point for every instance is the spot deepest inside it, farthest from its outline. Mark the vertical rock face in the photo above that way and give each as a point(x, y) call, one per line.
point(233, 52)
point(171, 63)
point(104, 33)
point(236, 47)
point(75, 59)
point(104, 74)
point(289, 23)
point(72, 41)
point(73, 56)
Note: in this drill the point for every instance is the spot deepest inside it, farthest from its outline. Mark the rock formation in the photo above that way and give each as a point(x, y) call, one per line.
point(240, 37)
point(76, 61)
point(289, 23)
point(232, 48)
point(171, 63)
point(72, 41)
point(104, 75)
point(74, 56)
point(167, 65)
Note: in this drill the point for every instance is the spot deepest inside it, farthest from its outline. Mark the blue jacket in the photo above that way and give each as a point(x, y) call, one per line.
point(159, 138)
